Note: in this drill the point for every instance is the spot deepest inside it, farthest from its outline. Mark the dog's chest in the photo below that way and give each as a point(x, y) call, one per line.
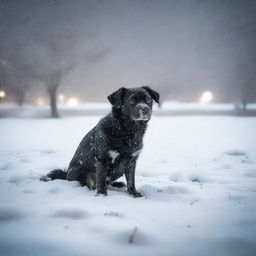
point(124, 147)
point(127, 145)
point(114, 155)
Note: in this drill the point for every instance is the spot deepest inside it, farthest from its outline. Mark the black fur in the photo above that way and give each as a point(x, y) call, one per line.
point(112, 147)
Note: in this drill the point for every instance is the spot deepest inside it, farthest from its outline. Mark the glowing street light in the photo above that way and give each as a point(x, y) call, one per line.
point(206, 97)
point(61, 98)
point(2, 94)
point(40, 101)
point(73, 101)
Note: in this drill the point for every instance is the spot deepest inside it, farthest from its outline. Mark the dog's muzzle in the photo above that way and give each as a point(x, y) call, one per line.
point(142, 112)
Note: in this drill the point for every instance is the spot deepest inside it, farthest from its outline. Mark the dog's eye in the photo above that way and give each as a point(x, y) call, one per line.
point(132, 100)
point(148, 100)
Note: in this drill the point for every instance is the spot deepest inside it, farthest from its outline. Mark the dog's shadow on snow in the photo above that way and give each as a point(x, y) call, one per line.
point(159, 193)
point(154, 193)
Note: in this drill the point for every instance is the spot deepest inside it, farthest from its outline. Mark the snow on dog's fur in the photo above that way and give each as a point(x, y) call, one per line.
point(112, 147)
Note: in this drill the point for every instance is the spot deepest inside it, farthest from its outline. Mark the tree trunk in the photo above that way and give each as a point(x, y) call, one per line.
point(20, 97)
point(52, 90)
point(244, 105)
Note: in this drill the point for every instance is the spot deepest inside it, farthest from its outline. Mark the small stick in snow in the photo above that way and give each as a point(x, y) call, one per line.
point(194, 201)
point(132, 236)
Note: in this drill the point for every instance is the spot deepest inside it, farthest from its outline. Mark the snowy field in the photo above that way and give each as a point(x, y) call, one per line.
point(197, 174)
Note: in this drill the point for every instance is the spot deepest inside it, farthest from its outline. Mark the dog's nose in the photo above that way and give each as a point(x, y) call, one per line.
point(145, 110)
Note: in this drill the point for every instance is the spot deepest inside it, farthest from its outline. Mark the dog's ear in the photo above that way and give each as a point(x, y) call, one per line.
point(116, 98)
point(154, 94)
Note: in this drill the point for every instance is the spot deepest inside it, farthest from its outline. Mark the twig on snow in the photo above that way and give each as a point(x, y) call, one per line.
point(132, 236)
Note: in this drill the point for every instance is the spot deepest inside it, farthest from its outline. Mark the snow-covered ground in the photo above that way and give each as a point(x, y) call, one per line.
point(197, 174)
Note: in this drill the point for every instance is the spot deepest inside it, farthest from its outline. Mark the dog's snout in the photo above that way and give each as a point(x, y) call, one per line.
point(142, 112)
point(145, 110)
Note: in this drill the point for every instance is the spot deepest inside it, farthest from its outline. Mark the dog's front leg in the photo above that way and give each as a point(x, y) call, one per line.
point(101, 175)
point(130, 178)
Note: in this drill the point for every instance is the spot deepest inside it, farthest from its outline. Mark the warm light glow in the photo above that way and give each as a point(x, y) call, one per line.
point(61, 98)
point(72, 101)
point(206, 97)
point(40, 101)
point(2, 94)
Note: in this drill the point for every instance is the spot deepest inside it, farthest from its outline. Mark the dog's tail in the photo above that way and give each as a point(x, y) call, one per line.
point(54, 175)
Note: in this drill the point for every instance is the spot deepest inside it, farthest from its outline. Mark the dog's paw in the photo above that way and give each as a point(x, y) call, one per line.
point(103, 193)
point(118, 184)
point(135, 194)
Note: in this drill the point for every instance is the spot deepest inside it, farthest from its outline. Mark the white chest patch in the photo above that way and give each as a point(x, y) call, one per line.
point(136, 153)
point(113, 155)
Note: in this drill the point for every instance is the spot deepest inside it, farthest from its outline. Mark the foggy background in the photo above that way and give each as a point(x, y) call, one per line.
point(197, 170)
point(87, 49)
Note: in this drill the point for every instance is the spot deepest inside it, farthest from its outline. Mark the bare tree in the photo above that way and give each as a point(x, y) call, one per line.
point(13, 81)
point(47, 44)
point(245, 83)
point(248, 88)
point(19, 89)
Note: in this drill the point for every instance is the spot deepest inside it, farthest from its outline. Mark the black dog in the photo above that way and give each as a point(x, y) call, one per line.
point(112, 147)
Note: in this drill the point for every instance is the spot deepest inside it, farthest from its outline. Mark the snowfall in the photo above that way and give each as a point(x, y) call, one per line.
point(197, 174)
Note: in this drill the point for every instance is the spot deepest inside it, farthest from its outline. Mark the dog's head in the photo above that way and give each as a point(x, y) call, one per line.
point(135, 102)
